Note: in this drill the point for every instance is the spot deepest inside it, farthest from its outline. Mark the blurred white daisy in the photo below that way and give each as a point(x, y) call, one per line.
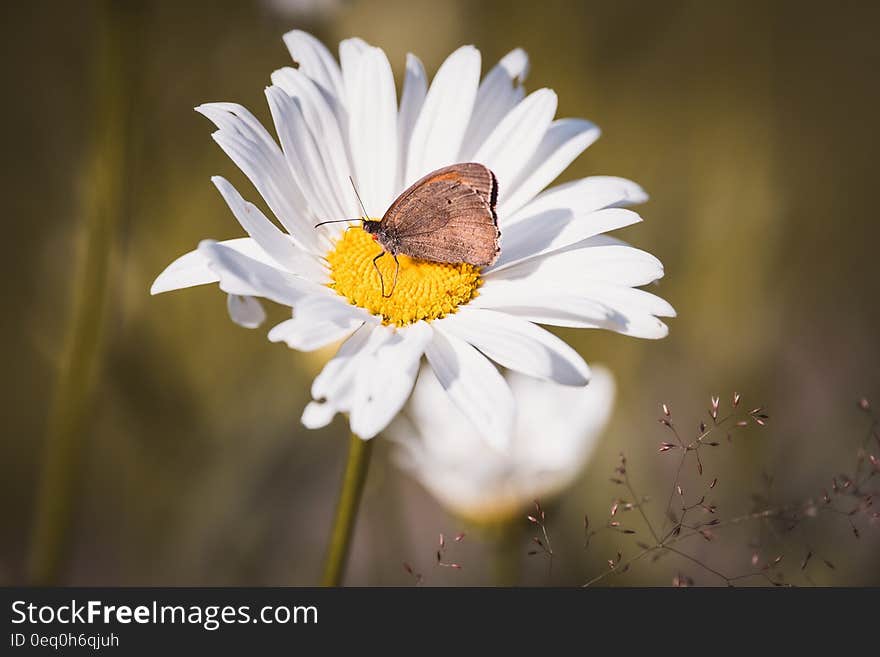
point(335, 120)
point(304, 9)
point(555, 432)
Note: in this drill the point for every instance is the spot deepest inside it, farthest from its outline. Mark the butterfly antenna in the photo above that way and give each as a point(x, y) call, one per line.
point(354, 187)
point(336, 221)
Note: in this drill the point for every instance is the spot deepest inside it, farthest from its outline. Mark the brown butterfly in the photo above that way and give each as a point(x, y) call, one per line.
point(447, 216)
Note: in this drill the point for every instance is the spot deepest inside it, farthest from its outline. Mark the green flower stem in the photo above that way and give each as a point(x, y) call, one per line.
point(346, 512)
point(504, 538)
point(79, 360)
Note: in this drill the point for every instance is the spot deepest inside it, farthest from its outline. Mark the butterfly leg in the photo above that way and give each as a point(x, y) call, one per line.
point(396, 272)
point(376, 267)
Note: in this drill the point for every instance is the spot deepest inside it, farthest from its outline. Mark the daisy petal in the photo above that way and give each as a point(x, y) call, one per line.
point(277, 244)
point(350, 52)
point(530, 300)
point(415, 87)
point(533, 301)
point(556, 229)
point(438, 133)
point(385, 379)
point(248, 144)
point(237, 119)
point(245, 276)
point(314, 60)
point(583, 196)
point(317, 322)
point(598, 258)
point(573, 416)
point(562, 143)
point(473, 383)
point(627, 298)
point(325, 118)
point(634, 312)
point(339, 372)
point(317, 415)
point(310, 337)
point(303, 155)
point(519, 345)
point(193, 269)
point(372, 112)
point(515, 138)
point(334, 387)
point(245, 311)
point(500, 91)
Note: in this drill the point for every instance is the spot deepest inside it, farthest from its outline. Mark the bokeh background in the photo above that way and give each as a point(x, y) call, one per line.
point(751, 124)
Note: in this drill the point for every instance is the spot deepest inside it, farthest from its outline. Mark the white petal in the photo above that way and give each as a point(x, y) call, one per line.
point(192, 268)
point(637, 309)
point(438, 422)
point(537, 303)
point(558, 307)
point(350, 52)
point(237, 119)
point(437, 136)
point(582, 196)
point(415, 87)
point(513, 141)
point(499, 93)
point(598, 258)
point(309, 337)
point(372, 113)
point(245, 311)
point(335, 386)
point(556, 229)
point(314, 60)
point(317, 322)
point(317, 415)
point(275, 243)
point(473, 383)
point(245, 276)
point(303, 155)
point(601, 274)
point(327, 121)
point(568, 420)
point(248, 144)
point(518, 345)
point(339, 372)
point(385, 379)
point(627, 299)
point(562, 143)
point(404, 434)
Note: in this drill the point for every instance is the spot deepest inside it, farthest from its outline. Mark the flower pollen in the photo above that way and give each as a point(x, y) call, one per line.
point(425, 290)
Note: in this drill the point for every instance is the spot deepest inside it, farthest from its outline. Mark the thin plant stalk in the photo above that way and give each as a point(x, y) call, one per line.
point(79, 360)
point(506, 556)
point(353, 480)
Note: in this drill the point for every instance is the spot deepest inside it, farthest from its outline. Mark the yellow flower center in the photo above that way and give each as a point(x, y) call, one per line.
point(424, 290)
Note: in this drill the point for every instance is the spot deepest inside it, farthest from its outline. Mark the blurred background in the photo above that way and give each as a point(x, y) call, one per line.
point(751, 124)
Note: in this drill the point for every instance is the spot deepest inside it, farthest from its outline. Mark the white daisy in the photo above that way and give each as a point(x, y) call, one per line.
point(335, 120)
point(555, 432)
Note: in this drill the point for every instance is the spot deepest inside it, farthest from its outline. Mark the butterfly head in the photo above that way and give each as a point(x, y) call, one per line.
point(380, 234)
point(373, 227)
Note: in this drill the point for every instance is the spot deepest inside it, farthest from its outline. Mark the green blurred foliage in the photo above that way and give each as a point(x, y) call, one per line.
point(751, 124)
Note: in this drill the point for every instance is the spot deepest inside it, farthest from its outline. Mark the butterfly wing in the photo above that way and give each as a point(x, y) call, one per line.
point(447, 216)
